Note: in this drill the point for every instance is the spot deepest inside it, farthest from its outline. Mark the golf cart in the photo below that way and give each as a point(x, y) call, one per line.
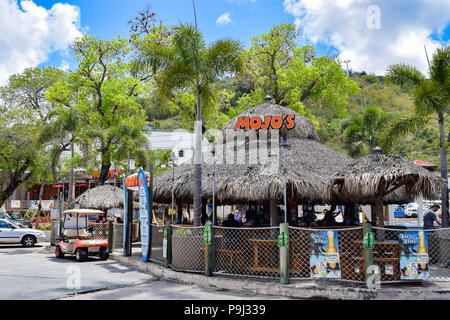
point(78, 236)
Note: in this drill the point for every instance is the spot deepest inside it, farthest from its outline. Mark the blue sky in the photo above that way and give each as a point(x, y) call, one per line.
point(372, 34)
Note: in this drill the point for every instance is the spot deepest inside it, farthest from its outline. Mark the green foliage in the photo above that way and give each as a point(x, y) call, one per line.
point(362, 133)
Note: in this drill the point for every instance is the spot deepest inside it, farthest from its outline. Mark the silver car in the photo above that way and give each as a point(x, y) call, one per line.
point(11, 233)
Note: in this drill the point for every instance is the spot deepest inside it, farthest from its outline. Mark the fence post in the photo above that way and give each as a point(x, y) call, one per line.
point(110, 235)
point(283, 243)
point(368, 243)
point(208, 240)
point(167, 244)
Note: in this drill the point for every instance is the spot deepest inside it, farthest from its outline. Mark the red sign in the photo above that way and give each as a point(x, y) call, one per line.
point(111, 173)
point(272, 122)
point(132, 181)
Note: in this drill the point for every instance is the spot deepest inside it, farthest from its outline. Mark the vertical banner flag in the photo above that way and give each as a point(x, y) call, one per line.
point(144, 214)
point(414, 255)
point(324, 259)
point(125, 216)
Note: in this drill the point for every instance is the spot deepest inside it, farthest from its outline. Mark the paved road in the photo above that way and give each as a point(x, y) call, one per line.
point(35, 273)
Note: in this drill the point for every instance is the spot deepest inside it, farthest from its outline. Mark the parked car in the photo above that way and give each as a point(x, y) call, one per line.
point(12, 233)
point(411, 210)
point(24, 223)
point(11, 216)
point(399, 212)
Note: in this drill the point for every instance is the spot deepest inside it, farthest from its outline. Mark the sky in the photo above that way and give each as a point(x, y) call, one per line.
point(372, 34)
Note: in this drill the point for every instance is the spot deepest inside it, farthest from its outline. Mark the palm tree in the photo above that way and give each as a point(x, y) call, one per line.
point(431, 96)
point(188, 63)
point(362, 133)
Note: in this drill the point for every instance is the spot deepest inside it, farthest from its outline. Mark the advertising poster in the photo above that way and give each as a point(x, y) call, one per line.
point(144, 214)
point(324, 259)
point(414, 255)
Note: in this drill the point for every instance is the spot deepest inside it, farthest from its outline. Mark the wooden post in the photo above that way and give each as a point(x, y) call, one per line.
point(273, 213)
point(209, 245)
point(129, 224)
point(167, 243)
point(284, 254)
point(368, 250)
point(110, 235)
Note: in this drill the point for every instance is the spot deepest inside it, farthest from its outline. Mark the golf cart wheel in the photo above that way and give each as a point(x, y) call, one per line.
point(28, 241)
point(81, 254)
point(104, 253)
point(58, 252)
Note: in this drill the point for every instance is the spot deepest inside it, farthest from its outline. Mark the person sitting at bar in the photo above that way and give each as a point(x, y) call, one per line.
point(231, 222)
point(330, 215)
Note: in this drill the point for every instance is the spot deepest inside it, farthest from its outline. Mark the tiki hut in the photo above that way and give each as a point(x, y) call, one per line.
point(242, 175)
point(379, 179)
point(102, 198)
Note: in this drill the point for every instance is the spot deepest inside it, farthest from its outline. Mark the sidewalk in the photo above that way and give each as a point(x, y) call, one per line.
point(298, 289)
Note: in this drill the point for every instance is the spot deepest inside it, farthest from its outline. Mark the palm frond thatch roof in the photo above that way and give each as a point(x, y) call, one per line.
point(103, 198)
point(310, 165)
point(375, 175)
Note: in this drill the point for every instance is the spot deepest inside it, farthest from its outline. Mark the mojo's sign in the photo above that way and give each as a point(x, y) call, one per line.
point(267, 122)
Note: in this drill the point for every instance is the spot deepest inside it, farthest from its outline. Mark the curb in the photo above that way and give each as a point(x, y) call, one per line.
point(300, 290)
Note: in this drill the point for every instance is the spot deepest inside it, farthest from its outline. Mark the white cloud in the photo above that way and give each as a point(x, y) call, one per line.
point(30, 33)
point(373, 34)
point(224, 19)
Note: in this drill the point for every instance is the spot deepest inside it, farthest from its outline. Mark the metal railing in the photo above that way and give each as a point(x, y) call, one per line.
point(247, 252)
point(188, 249)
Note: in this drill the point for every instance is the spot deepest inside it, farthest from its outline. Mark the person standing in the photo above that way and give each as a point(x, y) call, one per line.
point(430, 217)
point(237, 216)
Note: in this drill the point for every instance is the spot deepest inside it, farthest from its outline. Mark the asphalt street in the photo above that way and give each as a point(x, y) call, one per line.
point(35, 273)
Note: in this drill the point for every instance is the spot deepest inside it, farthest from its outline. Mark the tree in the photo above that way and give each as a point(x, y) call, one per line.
point(362, 132)
point(107, 100)
point(431, 96)
point(296, 77)
point(23, 115)
point(187, 63)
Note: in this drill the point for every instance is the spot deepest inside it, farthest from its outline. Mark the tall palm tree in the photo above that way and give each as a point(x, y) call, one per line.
point(189, 63)
point(431, 96)
point(362, 132)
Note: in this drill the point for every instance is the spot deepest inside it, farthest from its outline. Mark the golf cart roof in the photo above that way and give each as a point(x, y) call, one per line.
point(83, 211)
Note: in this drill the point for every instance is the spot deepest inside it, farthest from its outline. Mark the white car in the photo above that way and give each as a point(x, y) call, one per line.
point(11, 233)
point(411, 210)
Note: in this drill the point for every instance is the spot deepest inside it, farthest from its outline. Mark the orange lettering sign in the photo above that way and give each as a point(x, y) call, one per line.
point(273, 122)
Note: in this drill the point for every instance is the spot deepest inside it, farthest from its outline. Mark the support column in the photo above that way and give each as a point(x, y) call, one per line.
point(208, 239)
point(167, 244)
point(283, 243)
point(368, 249)
point(129, 224)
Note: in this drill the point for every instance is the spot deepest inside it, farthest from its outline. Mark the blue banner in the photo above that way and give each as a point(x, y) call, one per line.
point(144, 214)
point(125, 216)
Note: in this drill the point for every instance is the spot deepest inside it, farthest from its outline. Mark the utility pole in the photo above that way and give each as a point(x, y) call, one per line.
point(346, 62)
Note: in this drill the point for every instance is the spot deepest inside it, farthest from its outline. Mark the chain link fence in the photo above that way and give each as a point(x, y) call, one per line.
point(117, 240)
point(247, 251)
point(156, 253)
point(188, 249)
point(412, 254)
point(325, 253)
point(99, 230)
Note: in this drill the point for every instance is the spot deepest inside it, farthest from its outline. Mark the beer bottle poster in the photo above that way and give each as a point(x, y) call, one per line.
point(324, 258)
point(414, 255)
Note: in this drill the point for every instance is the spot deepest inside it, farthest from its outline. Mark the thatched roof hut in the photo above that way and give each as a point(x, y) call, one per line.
point(393, 178)
point(310, 165)
point(103, 198)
